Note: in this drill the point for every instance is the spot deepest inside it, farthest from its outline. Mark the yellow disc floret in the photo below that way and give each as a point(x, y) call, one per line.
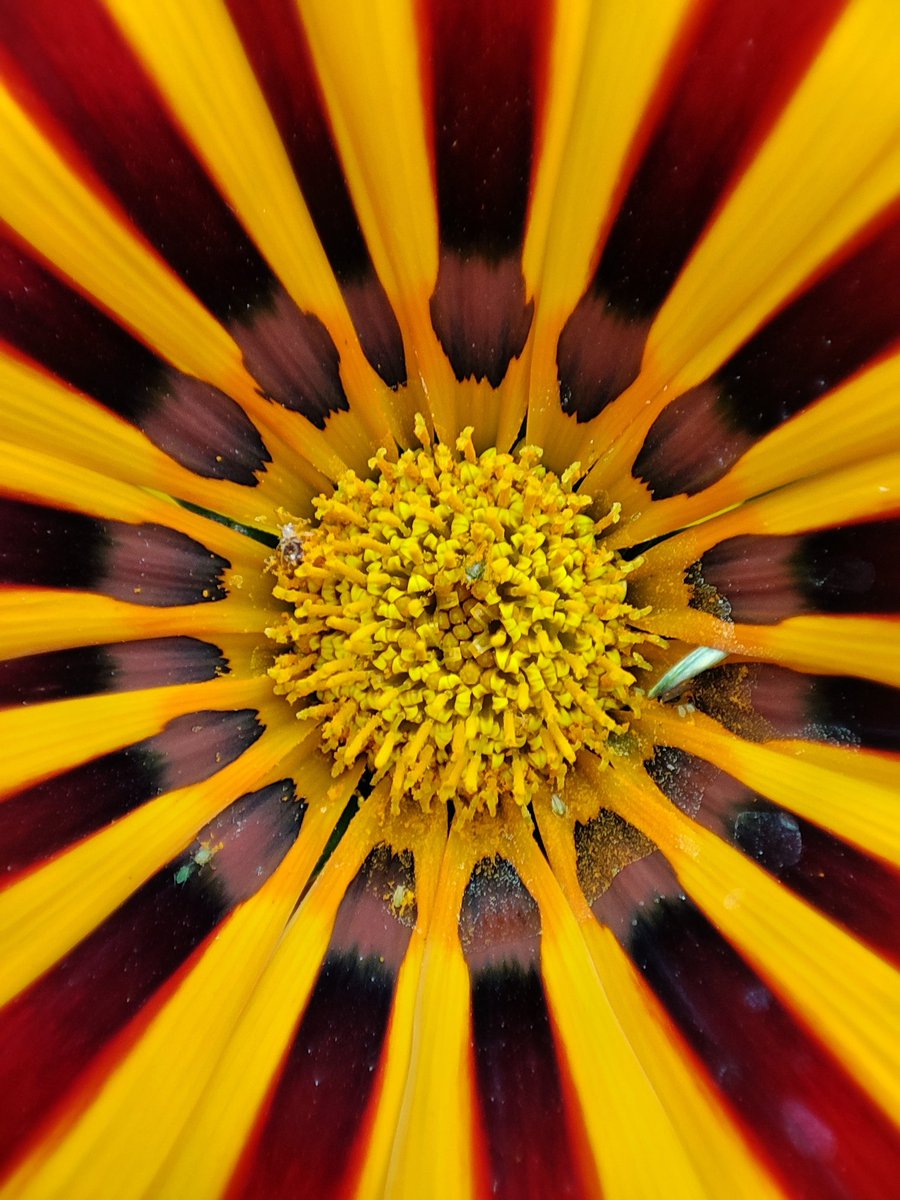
point(458, 622)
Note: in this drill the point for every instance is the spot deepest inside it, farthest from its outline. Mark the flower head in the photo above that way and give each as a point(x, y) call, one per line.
point(451, 459)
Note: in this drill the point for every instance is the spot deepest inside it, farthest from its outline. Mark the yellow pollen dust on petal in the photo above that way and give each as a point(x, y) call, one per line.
point(457, 621)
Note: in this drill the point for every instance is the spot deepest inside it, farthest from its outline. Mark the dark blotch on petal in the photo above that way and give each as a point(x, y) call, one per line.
point(37, 823)
point(203, 429)
point(304, 1138)
point(858, 892)
point(821, 1132)
point(598, 355)
point(121, 667)
point(479, 314)
point(690, 445)
point(499, 922)
point(530, 1155)
point(767, 578)
point(748, 578)
point(377, 327)
point(127, 966)
point(151, 564)
point(144, 564)
point(292, 357)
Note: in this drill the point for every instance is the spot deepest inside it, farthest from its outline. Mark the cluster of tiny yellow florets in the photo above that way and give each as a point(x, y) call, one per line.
point(458, 622)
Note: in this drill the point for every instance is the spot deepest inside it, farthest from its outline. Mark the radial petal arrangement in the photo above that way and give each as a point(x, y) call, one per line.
point(449, 592)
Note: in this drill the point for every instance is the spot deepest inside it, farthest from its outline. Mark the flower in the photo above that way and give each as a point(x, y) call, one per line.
point(508, 392)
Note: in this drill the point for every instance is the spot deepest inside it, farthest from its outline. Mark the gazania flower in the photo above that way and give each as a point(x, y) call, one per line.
point(449, 543)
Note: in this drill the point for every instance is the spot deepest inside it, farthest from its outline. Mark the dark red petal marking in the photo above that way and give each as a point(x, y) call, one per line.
point(485, 74)
point(724, 90)
point(144, 564)
point(199, 426)
point(120, 667)
point(767, 578)
point(278, 50)
point(598, 355)
point(858, 892)
point(292, 357)
point(527, 1132)
point(479, 313)
point(761, 701)
point(39, 822)
point(303, 1144)
point(822, 1134)
point(844, 319)
point(127, 967)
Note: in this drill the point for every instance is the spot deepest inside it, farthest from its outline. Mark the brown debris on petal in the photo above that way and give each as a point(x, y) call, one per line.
point(292, 357)
point(480, 315)
point(604, 846)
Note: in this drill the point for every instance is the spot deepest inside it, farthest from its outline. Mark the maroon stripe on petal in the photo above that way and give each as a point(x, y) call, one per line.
point(846, 317)
point(293, 358)
point(724, 90)
point(479, 314)
point(123, 971)
point(304, 1138)
point(39, 822)
point(277, 48)
point(520, 1087)
point(195, 423)
point(144, 564)
point(485, 73)
point(122, 667)
point(151, 564)
point(745, 59)
point(821, 1133)
point(858, 892)
point(761, 701)
point(766, 578)
point(78, 68)
point(486, 67)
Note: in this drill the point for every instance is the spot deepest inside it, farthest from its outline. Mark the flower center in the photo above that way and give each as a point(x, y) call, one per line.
point(457, 621)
